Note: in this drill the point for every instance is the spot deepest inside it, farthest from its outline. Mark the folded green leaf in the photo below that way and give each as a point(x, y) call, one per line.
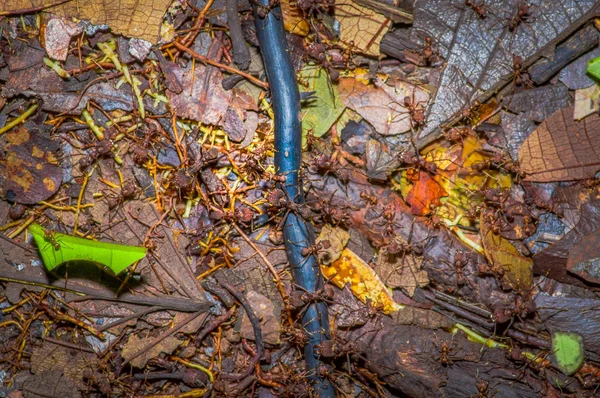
point(56, 248)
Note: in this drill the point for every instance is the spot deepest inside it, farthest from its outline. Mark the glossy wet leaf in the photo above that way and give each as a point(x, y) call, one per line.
point(56, 249)
point(320, 113)
point(568, 350)
point(562, 149)
point(364, 283)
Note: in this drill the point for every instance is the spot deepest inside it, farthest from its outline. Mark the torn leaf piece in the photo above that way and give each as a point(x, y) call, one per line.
point(567, 349)
point(587, 101)
point(402, 271)
point(363, 281)
point(56, 248)
point(593, 67)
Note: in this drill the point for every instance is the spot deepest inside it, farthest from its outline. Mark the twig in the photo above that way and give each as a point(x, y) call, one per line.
point(213, 325)
point(209, 61)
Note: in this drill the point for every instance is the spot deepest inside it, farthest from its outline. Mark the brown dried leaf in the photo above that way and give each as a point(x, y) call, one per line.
point(516, 269)
point(167, 345)
point(30, 171)
point(71, 363)
point(380, 161)
point(584, 258)
point(562, 149)
point(141, 19)
point(269, 322)
point(202, 99)
point(361, 27)
point(382, 105)
point(58, 36)
point(402, 271)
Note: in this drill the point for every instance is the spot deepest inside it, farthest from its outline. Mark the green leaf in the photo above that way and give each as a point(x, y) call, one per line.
point(56, 248)
point(568, 351)
point(593, 67)
point(320, 113)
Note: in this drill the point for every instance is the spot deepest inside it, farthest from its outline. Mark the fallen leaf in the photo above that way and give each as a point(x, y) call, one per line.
point(402, 271)
point(269, 322)
point(360, 27)
point(338, 240)
point(587, 101)
point(364, 283)
point(293, 18)
point(202, 99)
point(167, 345)
point(320, 113)
point(380, 161)
point(568, 350)
point(425, 194)
point(29, 172)
point(382, 105)
point(584, 258)
point(128, 17)
point(516, 269)
point(562, 149)
point(58, 34)
point(71, 363)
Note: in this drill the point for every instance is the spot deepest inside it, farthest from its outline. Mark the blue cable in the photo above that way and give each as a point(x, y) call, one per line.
point(297, 233)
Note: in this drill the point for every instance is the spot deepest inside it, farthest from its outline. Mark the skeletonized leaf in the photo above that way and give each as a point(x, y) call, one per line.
point(562, 149)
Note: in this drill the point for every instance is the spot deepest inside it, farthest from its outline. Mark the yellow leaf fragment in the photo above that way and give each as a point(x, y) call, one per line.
point(338, 239)
point(506, 260)
point(363, 281)
point(587, 101)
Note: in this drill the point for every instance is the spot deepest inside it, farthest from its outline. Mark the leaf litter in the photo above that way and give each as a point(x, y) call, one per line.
point(108, 140)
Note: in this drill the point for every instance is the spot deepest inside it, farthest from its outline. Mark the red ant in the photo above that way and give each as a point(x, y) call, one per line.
point(478, 8)
point(369, 198)
point(414, 160)
point(471, 113)
point(445, 352)
point(128, 191)
point(522, 15)
point(263, 10)
point(415, 111)
point(429, 56)
point(316, 248)
point(521, 77)
point(456, 134)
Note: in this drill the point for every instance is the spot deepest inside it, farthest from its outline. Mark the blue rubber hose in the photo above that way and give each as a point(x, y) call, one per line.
point(297, 233)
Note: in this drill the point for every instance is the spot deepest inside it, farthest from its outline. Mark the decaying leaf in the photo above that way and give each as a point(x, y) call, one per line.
point(293, 19)
point(58, 36)
point(478, 51)
point(515, 268)
point(382, 105)
point(71, 363)
point(364, 283)
point(584, 258)
point(202, 99)
point(402, 271)
point(132, 350)
point(360, 27)
point(338, 239)
point(269, 321)
point(425, 193)
point(30, 171)
point(127, 17)
point(587, 101)
point(380, 161)
point(562, 149)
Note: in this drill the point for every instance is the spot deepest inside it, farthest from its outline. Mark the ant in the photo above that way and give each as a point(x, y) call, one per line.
point(326, 165)
point(445, 352)
point(415, 161)
point(100, 150)
point(471, 113)
point(478, 8)
point(415, 111)
point(370, 198)
point(483, 387)
point(456, 134)
point(311, 6)
point(279, 201)
point(395, 247)
point(332, 214)
point(429, 56)
point(128, 191)
point(318, 52)
point(461, 260)
point(521, 77)
point(263, 10)
point(316, 248)
point(51, 239)
point(522, 15)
